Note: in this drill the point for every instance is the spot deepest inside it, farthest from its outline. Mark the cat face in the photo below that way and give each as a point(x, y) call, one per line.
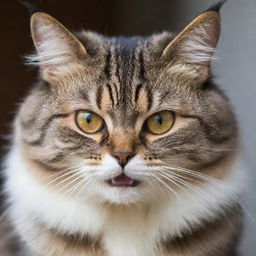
point(124, 120)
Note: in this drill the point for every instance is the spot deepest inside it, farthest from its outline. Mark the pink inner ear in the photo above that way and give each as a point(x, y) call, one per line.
point(41, 33)
point(37, 39)
point(213, 37)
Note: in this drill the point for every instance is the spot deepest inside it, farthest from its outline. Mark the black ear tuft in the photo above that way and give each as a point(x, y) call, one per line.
point(216, 7)
point(31, 7)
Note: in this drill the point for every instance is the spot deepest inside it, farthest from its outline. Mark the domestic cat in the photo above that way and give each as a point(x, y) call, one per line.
point(124, 147)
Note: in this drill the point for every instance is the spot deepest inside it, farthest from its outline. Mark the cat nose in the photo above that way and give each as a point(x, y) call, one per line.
point(123, 157)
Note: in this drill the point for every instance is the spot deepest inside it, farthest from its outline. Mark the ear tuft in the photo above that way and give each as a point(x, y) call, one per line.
point(216, 7)
point(32, 8)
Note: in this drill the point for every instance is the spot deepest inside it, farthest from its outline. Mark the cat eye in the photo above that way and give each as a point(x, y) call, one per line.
point(160, 123)
point(89, 122)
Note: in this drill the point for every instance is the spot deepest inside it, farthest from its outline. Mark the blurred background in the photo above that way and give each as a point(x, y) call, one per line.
point(235, 67)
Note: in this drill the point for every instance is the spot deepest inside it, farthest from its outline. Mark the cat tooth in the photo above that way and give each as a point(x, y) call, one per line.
point(130, 182)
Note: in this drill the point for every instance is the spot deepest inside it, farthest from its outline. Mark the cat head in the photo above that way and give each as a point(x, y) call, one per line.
point(124, 120)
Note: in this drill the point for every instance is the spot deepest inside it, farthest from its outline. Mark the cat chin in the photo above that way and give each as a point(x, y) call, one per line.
point(140, 194)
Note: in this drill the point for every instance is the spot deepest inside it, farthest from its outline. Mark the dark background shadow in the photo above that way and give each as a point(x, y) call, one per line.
point(235, 69)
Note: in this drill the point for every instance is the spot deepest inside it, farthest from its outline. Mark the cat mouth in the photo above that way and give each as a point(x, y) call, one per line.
point(123, 181)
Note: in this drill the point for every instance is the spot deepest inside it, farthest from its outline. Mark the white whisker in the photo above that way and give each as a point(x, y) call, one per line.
point(74, 174)
point(62, 176)
point(75, 177)
point(168, 187)
point(174, 180)
point(82, 182)
point(213, 181)
point(197, 190)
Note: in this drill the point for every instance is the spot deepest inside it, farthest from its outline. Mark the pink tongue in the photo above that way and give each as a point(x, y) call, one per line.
point(122, 180)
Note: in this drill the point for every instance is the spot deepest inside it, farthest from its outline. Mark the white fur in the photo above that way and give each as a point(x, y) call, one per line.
point(195, 49)
point(126, 230)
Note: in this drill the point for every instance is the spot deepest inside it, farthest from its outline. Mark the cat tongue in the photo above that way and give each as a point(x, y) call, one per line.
point(122, 180)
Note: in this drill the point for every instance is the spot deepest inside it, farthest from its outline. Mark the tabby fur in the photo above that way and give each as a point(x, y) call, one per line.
point(58, 202)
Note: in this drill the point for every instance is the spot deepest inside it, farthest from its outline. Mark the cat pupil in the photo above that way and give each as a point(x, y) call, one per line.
point(88, 118)
point(159, 119)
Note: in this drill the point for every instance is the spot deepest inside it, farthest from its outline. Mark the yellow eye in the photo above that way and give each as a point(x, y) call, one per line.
point(89, 122)
point(161, 122)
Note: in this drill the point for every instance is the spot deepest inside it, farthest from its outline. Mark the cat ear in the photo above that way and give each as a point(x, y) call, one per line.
point(56, 47)
point(196, 43)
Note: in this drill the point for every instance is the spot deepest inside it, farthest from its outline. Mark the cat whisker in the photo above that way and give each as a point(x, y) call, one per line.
point(213, 149)
point(176, 182)
point(197, 190)
point(54, 177)
point(206, 196)
point(66, 173)
point(73, 178)
point(82, 182)
point(72, 175)
point(73, 188)
point(194, 173)
point(198, 176)
point(213, 181)
point(166, 185)
point(178, 175)
point(154, 183)
point(64, 170)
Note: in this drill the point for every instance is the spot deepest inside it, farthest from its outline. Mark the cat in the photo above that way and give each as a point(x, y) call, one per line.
point(124, 146)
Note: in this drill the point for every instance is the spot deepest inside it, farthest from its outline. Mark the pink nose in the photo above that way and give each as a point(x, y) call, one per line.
point(123, 157)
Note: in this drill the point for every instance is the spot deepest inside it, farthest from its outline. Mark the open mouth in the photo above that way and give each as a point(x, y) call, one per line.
point(123, 181)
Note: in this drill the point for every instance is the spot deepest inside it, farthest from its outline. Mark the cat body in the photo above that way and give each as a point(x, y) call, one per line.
point(124, 147)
